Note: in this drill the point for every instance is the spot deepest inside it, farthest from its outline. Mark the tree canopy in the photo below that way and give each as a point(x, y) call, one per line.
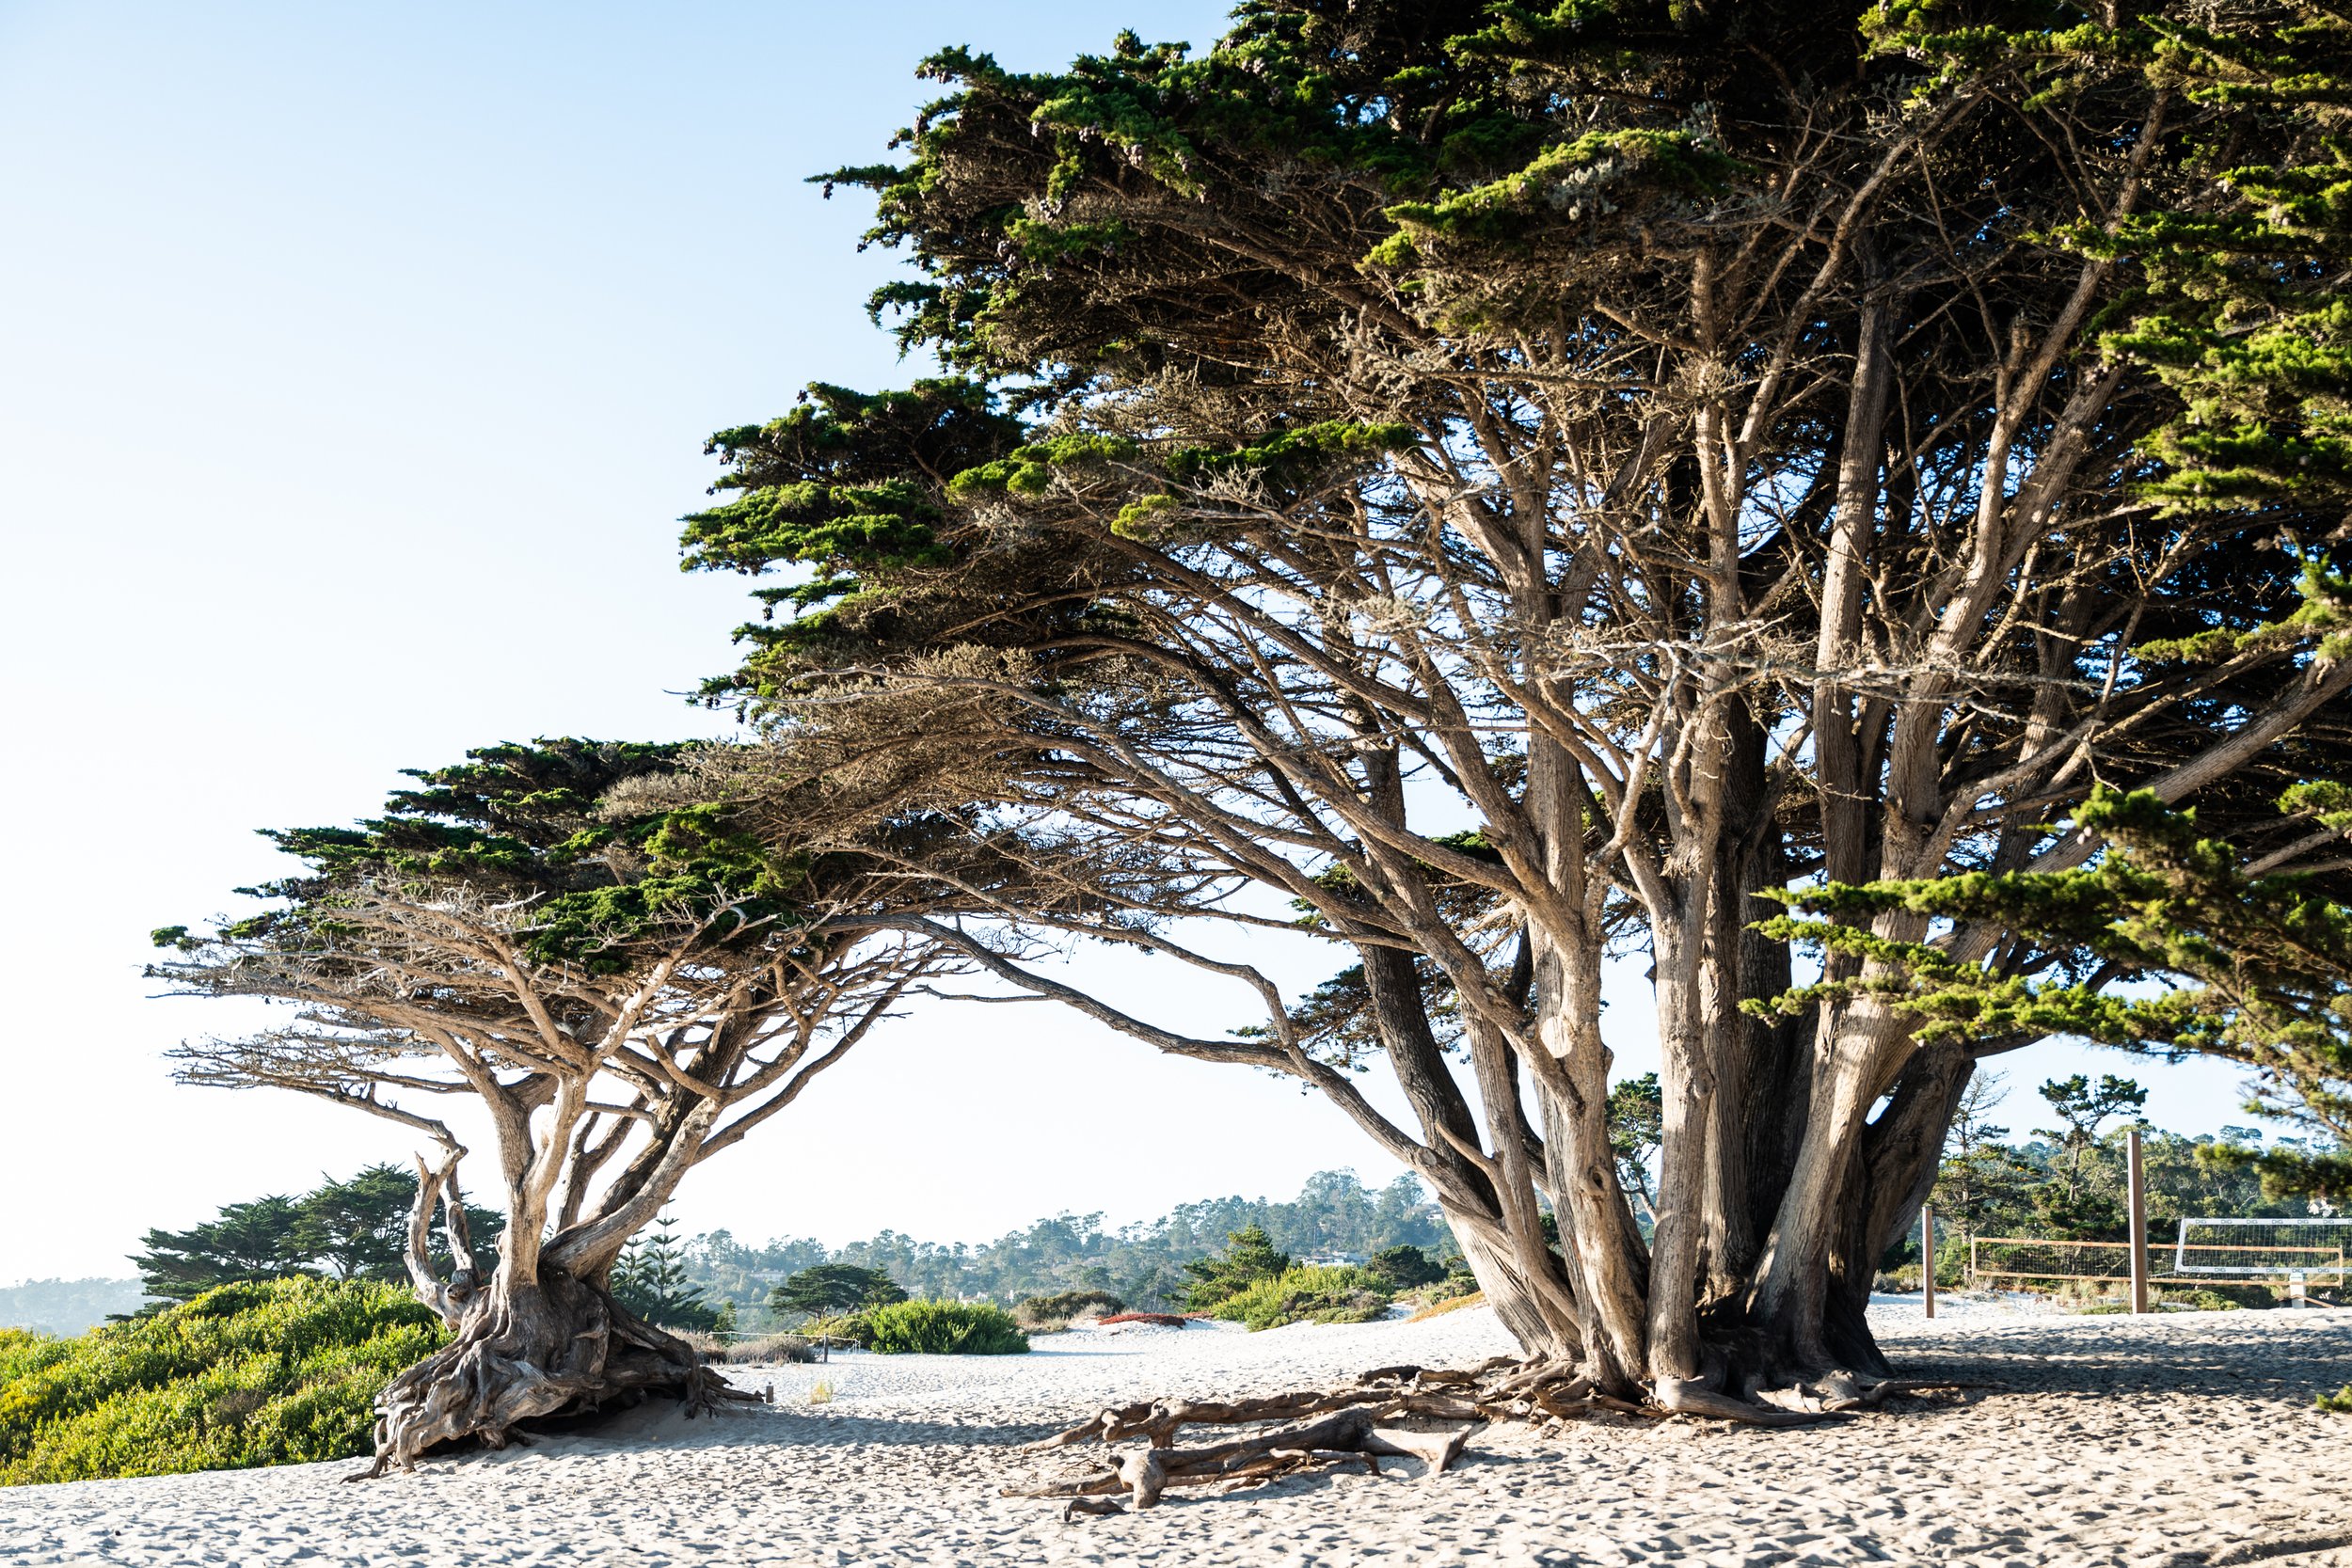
point(622, 987)
point(1519, 486)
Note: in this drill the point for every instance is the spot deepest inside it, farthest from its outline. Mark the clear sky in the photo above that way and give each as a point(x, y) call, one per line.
point(355, 363)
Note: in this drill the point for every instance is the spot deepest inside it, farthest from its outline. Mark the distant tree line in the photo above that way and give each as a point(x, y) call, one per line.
point(1143, 1264)
point(2064, 1181)
point(352, 1230)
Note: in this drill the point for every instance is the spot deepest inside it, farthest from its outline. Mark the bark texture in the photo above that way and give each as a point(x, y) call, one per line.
point(558, 1348)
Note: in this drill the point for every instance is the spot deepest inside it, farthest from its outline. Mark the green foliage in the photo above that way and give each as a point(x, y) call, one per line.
point(2047, 1188)
point(2262, 965)
point(520, 824)
point(1637, 1129)
point(1249, 1258)
point(2068, 1211)
point(280, 1372)
point(1141, 1264)
point(840, 1328)
point(650, 1279)
point(835, 1288)
point(2242, 313)
point(2220, 1298)
point(1327, 1293)
point(943, 1328)
point(1404, 1268)
point(2338, 1402)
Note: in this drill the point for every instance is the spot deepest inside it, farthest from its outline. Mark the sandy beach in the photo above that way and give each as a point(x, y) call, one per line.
point(2185, 1439)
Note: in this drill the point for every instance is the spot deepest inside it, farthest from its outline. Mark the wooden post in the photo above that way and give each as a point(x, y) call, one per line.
point(2140, 1223)
point(1927, 1255)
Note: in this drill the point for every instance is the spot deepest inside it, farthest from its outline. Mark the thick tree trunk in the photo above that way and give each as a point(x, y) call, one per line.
point(1519, 1302)
point(560, 1347)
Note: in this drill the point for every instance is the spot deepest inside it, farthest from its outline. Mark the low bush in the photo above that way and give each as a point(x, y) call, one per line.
point(277, 1371)
point(2338, 1402)
point(1041, 1311)
point(2239, 1296)
point(1456, 1281)
point(943, 1328)
point(1331, 1293)
point(2198, 1300)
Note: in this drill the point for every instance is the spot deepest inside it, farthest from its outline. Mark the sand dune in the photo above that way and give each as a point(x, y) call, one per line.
point(2187, 1439)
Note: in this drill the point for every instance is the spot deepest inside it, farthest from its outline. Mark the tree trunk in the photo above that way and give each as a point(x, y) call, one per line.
point(1517, 1302)
point(560, 1347)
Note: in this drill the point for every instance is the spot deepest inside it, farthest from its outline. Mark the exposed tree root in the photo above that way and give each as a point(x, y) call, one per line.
point(559, 1349)
point(1359, 1424)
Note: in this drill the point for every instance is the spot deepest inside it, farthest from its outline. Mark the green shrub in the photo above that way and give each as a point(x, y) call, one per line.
point(2240, 1295)
point(2340, 1402)
point(2199, 1300)
point(1249, 1259)
point(276, 1372)
point(943, 1328)
point(1406, 1268)
point(1457, 1281)
point(1333, 1293)
point(1037, 1312)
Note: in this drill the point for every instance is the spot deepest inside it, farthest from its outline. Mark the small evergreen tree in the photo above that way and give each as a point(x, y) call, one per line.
point(831, 1287)
point(1403, 1268)
point(649, 1279)
point(247, 1241)
point(1637, 1128)
point(1981, 1175)
point(2083, 1106)
point(1249, 1256)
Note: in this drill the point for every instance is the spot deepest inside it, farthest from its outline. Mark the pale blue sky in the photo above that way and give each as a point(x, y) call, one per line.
point(357, 366)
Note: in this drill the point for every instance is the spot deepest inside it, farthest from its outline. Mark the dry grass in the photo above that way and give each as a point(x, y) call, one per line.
point(766, 1350)
point(1451, 1304)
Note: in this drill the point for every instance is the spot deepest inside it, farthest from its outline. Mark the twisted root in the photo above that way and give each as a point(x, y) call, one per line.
point(561, 1348)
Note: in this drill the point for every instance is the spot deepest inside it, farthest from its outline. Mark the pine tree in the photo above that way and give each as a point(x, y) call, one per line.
point(650, 1279)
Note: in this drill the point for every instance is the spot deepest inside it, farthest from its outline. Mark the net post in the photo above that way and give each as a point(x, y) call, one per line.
point(1927, 1255)
point(2140, 1223)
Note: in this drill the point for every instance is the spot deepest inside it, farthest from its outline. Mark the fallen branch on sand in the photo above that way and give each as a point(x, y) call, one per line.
point(1361, 1424)
point(1350, 1437)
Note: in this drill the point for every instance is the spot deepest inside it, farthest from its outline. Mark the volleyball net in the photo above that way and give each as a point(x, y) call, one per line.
point(2266, 1248)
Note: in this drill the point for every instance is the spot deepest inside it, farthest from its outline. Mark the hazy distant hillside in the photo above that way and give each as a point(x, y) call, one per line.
point(1142, 1264)
point(66, 1305)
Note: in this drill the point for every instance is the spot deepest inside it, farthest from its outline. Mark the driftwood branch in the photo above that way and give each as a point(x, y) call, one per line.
point(1362, 1423)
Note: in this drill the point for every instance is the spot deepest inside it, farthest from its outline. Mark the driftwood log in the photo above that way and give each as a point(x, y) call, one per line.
point(1419, 1413)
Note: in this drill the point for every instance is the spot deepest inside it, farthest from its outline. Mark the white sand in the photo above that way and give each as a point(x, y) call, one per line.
point(2185, 1439)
